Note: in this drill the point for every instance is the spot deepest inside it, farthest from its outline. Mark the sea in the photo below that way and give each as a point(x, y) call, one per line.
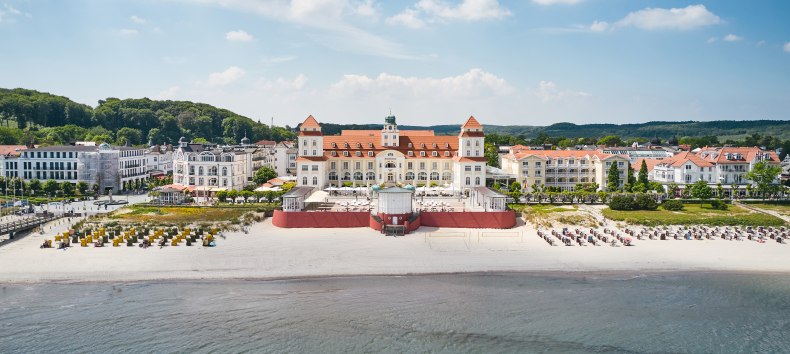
point(688, 312)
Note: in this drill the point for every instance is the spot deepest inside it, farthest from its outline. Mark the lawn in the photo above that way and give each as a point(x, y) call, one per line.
point(783, 209)
point(694, 214)
point(182, 214)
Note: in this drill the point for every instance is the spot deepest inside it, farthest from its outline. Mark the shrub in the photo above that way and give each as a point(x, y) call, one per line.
point(645, 202)
point(718, 204)
point(621, 202)
point(672, 205)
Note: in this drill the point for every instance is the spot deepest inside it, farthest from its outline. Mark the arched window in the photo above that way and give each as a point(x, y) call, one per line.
point(347, 176)
point(200, 170)
point(304, 180)
point(447, 176)
point(315, 180)
point(357, 176)
point(212, 171)
point(228, 158)
point(390, 165)
point(468, 181)
point(333, 176)
point(371, 176)
point(224, 171)
point(434, 176)
point(477, 181)
point(409, 176)
point(422, 176)
point(477, 142)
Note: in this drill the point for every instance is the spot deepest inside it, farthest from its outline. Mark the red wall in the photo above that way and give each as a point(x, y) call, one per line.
point(469, 219)
point(328, 219)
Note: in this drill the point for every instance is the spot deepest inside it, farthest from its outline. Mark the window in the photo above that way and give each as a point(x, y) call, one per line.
point(422, 176)
point(468, 168)
point(468, 143)
point(359, 153)
point(333, 165)
point(370, 153)
point(345, 165)
point(334, 153)
point(477, 142)
point(345, 153)
point(304, 181)
point(333, 176)
point(468, 181)
point(314, 152)
point(447, 153)
point(477, 181)
point(446, 176)
point(434, 165)
point(434, 176)
point(435, 154)
point(358, 165)
point(315, 180)
point(422, 165)
point(370, 165)
point(422, 153)
point(358, 176)
point(477, 169)
point(409, 176)
point(410, 153)
point(371, 176)
point(525, 164)
point(304, 167)
point(315, 168)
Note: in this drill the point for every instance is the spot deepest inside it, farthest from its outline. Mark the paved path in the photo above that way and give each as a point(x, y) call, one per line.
point(764, 211)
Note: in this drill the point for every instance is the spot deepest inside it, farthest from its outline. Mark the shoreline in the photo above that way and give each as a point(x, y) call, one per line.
point(269, 253)
point(635, 273)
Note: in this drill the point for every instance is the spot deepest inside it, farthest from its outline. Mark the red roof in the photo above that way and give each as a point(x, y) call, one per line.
point(469, 159)
point(519, 154)
point(747, 154)
point(651, 163)
point(472, 123)
point(311, 158)
point(310, 122)
point(12, 150)
point(266, 143)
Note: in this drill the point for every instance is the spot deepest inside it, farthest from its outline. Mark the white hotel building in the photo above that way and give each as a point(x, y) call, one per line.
point(391, 156)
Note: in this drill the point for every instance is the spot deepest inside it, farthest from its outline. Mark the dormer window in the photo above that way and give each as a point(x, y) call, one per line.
point(345, 145)
point(345, 153)
point(411, 145)
point(370, 153)
point(435, 154)
point(370, 145)
point(447, 153)
point(359, 146)
point(334, 153)
point(447, 145)
point(411, 153)
point(435, 145)
point(359, 153)
point(422, 146)
point(422, 153)
point(334, 145)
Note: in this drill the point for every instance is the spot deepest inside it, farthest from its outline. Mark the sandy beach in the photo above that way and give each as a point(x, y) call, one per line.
point(271, 252)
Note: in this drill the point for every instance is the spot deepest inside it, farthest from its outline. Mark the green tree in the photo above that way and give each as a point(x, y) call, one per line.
point(232, 194)
point(611, 140)
point(630, 180)
point(643, 174)
point(128, 135)
point(492, 154)
point(67, 188)
point(263, 174)
point(764, 175)
point(82, 187)
point(34, 186)
point(222, 196)
point(50, 187)
point(613, 178)
point(515, 191)
point(719, 191)
point(701, 190)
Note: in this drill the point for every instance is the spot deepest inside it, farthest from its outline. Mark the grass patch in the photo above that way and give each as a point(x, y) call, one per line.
point(783, 209)
point(694, 214)
point(180, 214)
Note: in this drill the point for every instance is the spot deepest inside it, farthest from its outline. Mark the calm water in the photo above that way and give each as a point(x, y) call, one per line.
point(508, 313)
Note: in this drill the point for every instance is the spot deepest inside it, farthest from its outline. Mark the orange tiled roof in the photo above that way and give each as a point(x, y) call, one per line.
point(651, 163)
point(519, 154)
point(683, 157)
point(472, 123)
point(748, 154)
point(310, 122)
point(11, 149)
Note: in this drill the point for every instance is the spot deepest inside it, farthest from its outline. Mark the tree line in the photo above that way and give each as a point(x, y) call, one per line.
point(28, 116)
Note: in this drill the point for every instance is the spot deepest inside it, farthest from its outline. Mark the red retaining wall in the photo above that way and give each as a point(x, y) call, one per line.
point(333, 219)
point(469, 219)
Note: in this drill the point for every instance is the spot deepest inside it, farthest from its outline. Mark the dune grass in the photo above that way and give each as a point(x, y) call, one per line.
point(694, 214)
point(179, 214)
point(783, 209)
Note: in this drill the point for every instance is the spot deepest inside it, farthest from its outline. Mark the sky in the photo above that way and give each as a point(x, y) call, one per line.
point(519, 62)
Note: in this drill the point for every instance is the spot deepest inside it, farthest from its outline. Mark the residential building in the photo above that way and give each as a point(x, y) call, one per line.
point(634, 154)
point(563, 169)
point(159, 159)
point(391, 156)
point(211, 168)
point(9, 152)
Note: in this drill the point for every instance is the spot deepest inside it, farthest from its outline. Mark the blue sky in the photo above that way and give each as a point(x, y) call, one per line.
point(532, 62)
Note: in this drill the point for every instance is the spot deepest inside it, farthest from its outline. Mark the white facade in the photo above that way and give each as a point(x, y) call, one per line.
point(211, 168)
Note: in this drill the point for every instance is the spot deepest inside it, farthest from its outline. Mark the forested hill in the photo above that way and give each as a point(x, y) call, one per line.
point(43, 118)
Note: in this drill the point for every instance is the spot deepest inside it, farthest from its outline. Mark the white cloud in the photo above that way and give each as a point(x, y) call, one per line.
point(366, 9)
point(787, 47)
point(760, 44)
point(126, 32)
point(138, 20)
point(687, 18)
point(473, 84)
point(224, 78)
point(732, 38)
point(712, 40)
point(278, 60)
point(10, 13)
point(549, 91)
point(554, 2)
point(432, 11)
point(238, 36)
point(168, 94)
point(282, 85)
point(323, 20)
point(599, 26)
point(409, 18)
